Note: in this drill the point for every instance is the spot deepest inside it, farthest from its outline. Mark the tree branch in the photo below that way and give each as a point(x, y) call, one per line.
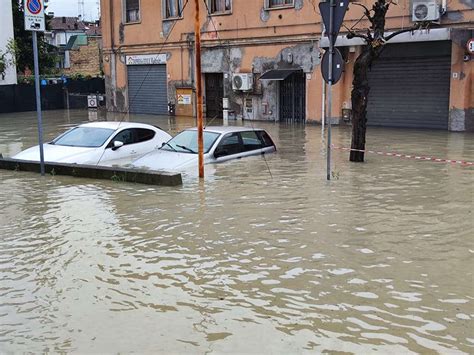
point(366, 10)
point(351, 35)
point(396, 33)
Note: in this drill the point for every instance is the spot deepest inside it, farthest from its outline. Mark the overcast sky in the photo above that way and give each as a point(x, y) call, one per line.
point(70, 8)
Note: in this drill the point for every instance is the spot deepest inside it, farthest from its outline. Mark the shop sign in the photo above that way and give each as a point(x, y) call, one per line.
point(145, 59)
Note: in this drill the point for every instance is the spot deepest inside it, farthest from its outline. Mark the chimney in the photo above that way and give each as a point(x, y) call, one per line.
point(64, 19)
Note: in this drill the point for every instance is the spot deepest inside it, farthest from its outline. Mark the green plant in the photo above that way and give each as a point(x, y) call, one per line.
point(6, 60)
point(3, 65)
point(117, 178)
point(335, 175)
point(53, 172)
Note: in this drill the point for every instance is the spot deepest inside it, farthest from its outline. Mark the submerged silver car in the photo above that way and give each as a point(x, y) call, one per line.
point(220, 144)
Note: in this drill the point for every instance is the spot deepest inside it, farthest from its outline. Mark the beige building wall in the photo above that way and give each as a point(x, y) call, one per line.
point(253, 39)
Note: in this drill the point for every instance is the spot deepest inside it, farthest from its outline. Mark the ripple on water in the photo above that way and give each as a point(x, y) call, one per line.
point(244, 263)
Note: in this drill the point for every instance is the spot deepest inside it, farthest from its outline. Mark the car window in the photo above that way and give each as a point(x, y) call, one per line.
point(265, 139)
point(126, 137)
point(187, 142)
point(87, 137)
point(229, 145)
point(250, 141)
point(144, 135)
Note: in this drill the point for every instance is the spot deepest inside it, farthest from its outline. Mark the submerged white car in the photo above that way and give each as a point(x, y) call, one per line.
point(100, 143)
point(220, 144)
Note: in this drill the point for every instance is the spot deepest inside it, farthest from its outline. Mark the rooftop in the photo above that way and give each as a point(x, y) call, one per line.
point(67, 23)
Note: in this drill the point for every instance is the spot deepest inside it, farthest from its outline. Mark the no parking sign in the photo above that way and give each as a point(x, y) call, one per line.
point(34, 15)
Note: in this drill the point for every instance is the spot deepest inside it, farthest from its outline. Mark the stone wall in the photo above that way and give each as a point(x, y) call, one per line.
point(86, 60)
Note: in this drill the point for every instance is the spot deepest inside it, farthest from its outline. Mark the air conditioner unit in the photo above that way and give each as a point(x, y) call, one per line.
point(243, 82)
point(425, 10)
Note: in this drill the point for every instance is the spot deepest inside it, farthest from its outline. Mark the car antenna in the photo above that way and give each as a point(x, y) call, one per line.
point(212, 120)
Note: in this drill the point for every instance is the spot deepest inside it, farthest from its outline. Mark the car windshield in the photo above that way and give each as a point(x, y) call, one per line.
point(86, 137)
point(186, 142)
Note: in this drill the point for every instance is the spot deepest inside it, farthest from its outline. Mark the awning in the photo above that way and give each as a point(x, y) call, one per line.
point(278, 74)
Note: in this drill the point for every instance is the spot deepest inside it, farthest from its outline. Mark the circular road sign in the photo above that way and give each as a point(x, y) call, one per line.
point(34, 6)
point(337, 66)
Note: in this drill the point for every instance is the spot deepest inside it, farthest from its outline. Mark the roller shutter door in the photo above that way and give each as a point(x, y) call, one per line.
point(410, 86)
point(147, 89)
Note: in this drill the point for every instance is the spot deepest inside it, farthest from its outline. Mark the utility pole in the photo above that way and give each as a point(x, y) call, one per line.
point(200, 129)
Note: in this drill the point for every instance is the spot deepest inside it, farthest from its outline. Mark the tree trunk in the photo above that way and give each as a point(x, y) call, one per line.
point(359, 98)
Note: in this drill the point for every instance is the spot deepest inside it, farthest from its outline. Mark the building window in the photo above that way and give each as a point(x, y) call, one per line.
point(172, 8)
point(132, 11)
point(220, 6)
point(271, 4)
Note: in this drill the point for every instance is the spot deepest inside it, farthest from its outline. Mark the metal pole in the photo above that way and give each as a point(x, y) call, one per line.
point(38, 101)
point(323, 106)
point(330, 75)
point(197, 35)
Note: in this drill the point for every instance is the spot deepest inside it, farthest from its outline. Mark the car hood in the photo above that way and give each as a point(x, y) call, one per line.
point(166, 160)
point(59, 154)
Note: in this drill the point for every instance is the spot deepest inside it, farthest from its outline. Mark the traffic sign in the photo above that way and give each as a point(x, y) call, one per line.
point(340, 9)
point(337, 66)
point(34, 15)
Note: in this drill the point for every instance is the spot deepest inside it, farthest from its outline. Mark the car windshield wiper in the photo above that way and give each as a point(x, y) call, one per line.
point(169, 145)
point(186, 148)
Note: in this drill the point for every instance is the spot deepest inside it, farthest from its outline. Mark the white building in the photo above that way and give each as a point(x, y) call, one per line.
point(6, 34)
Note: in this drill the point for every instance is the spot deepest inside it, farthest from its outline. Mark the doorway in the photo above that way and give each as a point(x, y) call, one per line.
point(293, 98)
point(214, 94)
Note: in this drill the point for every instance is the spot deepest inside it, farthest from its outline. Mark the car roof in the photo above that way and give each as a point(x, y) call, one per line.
point(116, 125)
point(227, 129)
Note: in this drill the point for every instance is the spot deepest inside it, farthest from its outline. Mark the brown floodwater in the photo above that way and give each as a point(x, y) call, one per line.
point(266, 256)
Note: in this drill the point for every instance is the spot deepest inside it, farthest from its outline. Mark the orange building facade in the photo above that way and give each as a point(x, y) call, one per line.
point(423, 79)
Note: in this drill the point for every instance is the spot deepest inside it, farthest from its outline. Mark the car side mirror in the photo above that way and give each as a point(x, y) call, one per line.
point(117, 145)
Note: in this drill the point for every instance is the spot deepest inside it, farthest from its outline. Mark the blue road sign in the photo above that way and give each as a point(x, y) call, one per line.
point(340, 8)
point(34, 6)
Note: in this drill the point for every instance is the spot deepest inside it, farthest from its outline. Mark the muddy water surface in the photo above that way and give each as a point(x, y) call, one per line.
point(265, 257)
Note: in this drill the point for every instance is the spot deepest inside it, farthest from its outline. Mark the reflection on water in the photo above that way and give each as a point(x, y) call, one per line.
point(380, 259)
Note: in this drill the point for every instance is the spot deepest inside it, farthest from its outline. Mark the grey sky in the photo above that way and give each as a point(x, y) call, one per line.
point(70, 8)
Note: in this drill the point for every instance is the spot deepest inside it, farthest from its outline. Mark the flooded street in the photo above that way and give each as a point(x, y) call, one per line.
point(265, 257)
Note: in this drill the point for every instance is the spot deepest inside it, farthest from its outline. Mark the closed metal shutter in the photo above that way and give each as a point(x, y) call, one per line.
point(147, 89)
point(410, 86)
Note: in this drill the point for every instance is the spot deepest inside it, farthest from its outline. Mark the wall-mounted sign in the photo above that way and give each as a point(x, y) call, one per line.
point(470, 46)
point(34, 15)
point(145, 59)
point(184, 99)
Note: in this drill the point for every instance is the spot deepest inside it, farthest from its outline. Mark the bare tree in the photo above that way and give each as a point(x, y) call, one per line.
point(375, 41)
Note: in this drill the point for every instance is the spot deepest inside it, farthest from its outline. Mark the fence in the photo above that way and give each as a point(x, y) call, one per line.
point(73, 94)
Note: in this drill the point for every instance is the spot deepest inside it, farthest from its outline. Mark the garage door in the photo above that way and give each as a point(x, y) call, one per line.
point(147, 90)
point(409, 86)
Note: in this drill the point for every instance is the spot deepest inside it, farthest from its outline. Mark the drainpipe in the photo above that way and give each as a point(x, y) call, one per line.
point(113, 67)
point(444, 6)
point(191, 65)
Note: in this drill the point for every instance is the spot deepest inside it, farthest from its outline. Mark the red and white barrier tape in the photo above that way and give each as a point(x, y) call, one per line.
point(416, 157)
